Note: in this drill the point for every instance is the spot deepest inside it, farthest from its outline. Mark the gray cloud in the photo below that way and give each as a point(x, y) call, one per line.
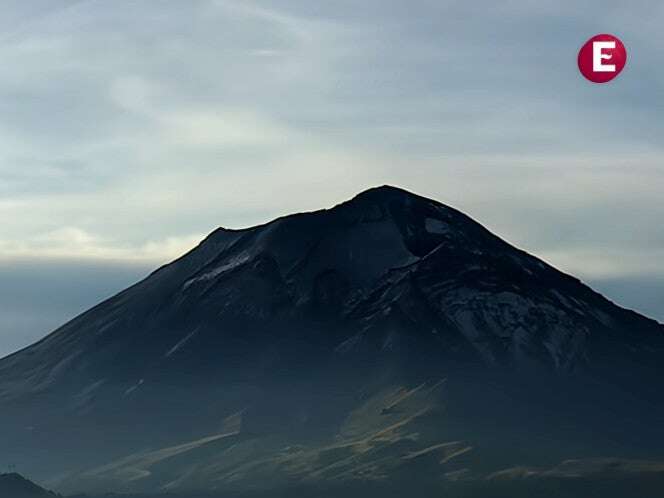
point(644, 294)
point(128, 130)
point(38, 296)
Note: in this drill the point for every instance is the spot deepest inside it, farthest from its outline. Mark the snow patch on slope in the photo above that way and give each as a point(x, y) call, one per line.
point(231, 264)
point(134, 387)
point(180, 343)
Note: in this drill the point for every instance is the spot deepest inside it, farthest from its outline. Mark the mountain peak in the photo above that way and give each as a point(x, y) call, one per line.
point(383, 191)
point(388, 193)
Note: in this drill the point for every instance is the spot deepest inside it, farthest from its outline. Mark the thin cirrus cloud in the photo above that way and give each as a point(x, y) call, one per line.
point(129, 130)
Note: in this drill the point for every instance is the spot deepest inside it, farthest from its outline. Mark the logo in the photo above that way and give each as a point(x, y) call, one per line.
point(602, 58)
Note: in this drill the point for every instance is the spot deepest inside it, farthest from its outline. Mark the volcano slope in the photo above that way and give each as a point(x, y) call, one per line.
point(388, 337)
point(14, 485)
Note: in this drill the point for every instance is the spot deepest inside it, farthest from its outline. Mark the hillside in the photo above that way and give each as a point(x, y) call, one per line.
point(390, 336)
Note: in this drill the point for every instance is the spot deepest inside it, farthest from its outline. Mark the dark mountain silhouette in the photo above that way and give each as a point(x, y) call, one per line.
point(388, 336)
point(16, 486)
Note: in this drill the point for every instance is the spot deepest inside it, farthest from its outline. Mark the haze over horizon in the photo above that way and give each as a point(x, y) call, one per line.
point(129, 132)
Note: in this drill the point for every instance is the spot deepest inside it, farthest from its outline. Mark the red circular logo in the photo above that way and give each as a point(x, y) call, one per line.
point(602, 58)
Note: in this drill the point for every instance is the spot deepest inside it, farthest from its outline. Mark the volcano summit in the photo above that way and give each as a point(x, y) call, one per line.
point(388, 336)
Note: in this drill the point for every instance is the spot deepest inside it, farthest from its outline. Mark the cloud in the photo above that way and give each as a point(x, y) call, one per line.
point(75, 243)
point(37, 296)
point(138, 125)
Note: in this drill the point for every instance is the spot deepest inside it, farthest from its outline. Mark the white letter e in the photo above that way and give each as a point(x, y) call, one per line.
point(598, 56)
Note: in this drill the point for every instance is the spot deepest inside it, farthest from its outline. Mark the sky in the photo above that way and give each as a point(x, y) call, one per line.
point(131, 129)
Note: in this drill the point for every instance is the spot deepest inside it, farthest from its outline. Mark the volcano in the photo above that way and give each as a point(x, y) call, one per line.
point(388, 336)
